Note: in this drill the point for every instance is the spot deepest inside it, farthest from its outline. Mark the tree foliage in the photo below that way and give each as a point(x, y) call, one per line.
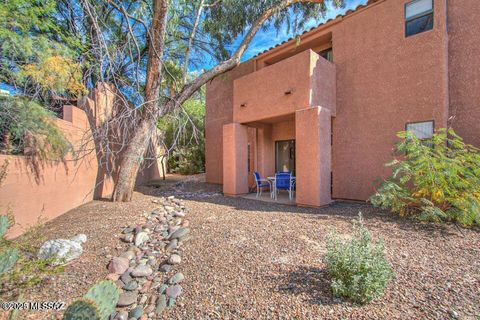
point(435, 180)
point(28, 128)
point(37, 55)
point(56, 74)
point(184, 137)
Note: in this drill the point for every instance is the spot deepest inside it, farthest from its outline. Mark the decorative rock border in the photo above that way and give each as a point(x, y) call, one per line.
point(144, 273)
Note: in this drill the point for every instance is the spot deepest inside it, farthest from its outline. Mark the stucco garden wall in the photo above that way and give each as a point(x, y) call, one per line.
point(36, 192)
point(39, 192)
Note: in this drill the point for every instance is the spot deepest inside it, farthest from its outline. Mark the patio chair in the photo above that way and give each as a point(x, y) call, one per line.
point(261, 183)
point(283, 181)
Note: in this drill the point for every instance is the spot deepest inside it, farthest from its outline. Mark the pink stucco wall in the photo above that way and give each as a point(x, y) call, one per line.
point(39, 191)
point(263, 92)
point(323, 91)
point(313, 156)
point(464, 68)
point(383, 81)
point(235, 171)
point(219, 100)
point(265, 150)
point(57, 187)
point(284, 130)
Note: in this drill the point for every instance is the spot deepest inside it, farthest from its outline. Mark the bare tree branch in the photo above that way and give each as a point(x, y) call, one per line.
point(190, 40)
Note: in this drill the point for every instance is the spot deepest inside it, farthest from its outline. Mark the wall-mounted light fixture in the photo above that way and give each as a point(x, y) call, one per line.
point(289, 91)
point(243, 105)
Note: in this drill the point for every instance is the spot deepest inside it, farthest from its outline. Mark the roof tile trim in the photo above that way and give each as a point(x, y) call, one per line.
point(348, 12)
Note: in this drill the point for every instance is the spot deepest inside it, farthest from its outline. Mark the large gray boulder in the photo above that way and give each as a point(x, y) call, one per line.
point(62, 251)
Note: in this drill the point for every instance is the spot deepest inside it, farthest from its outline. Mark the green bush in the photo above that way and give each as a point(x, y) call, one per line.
point(28, 128)
point(435, 180)
point(184, 137)
point(188, 160)
point(359, 268)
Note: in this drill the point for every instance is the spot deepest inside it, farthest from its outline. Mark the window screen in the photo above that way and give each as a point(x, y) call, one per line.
point(422, 130)
point(418, 8)
point(418, 17)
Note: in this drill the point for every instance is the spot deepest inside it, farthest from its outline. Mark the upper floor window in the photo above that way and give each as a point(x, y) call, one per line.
point(418, 17)
point(327, 54)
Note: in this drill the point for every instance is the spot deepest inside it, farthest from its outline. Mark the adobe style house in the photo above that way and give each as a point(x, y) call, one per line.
point(329, 106)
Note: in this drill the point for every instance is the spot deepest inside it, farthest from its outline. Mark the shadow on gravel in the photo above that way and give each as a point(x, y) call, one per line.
point(345, 211)
point(313, 283)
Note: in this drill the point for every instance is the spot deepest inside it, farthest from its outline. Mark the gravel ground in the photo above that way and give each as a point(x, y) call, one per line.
point(253, 260)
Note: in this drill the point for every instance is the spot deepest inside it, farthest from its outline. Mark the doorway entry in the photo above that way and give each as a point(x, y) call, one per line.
point(285, 156)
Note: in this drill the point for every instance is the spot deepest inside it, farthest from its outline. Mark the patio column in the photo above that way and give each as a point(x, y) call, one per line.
point(235, 158)
point(313, 156)
point(265, 150)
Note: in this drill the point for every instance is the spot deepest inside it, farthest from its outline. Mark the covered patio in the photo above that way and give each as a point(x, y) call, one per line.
point(282, 117)
point(298, 144)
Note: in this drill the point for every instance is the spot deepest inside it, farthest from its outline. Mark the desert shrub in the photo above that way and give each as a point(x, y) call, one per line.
point(435, 180)
point(28, 128)
point(358, 267)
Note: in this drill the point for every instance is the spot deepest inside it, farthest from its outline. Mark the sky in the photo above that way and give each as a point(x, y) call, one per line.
point(266, 39)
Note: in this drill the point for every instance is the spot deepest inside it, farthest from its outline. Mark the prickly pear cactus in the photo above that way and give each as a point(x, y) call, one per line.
point(8, 258)
point(4, 225)
point(105, 295)
point(83, 309)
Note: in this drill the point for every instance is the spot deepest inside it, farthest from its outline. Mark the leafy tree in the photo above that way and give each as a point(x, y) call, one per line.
point(436, 179)
point(184, 136)
point(36, 54)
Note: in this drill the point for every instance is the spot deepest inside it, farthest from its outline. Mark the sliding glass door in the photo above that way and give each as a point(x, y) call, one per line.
point(285, 156)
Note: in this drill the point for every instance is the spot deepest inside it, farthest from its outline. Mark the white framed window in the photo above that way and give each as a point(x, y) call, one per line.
point(422, 130)
point(418, 17)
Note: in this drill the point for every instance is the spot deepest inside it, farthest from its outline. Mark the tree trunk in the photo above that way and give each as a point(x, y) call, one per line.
point(145, 129)
point(132, 160)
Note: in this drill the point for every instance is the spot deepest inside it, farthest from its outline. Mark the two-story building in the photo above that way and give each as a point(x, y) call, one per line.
point(328, 107)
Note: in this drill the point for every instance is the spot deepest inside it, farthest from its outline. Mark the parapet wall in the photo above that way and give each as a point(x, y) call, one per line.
point(38, 192)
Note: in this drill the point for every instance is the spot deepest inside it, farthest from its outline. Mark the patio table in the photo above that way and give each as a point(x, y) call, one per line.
point(272, 179)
